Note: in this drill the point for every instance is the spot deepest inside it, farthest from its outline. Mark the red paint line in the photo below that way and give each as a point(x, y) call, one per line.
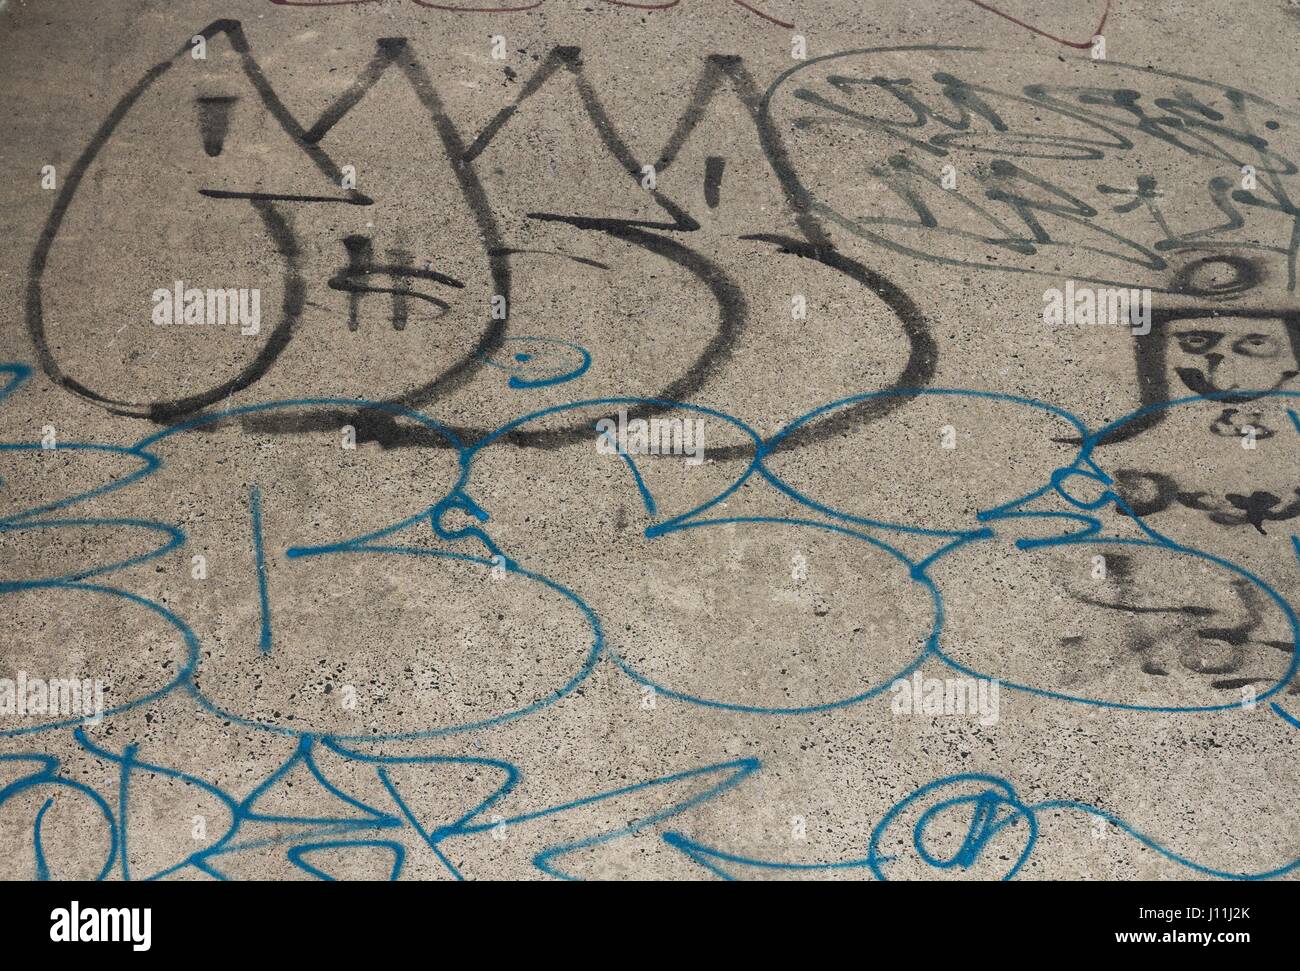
point(1042, 33)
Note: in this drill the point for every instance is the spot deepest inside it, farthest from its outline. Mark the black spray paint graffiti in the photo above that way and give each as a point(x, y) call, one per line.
point(971, 116)
point(361, 266)
point(1212, 351)
point(275, 208)
point(270, 206)
point(1224, 642)
point(1019, 215)
point(1234, 356)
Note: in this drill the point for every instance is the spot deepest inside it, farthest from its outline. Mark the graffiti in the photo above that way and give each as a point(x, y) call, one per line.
point(361, 265)
point(602, 469)
point(507, 7)
point(757, 9)
point(1015, 213)
point(462, 153)
point(1080, 44)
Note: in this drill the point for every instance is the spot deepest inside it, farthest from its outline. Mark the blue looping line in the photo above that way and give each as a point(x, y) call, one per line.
point(517, 382)
point(1285, 715)
point(296, 854)
point(646, 498)
point(175, 539)
point(994, 811)
point(183, 675)
point(46, 775)
point(918, 577)
point(773, 444)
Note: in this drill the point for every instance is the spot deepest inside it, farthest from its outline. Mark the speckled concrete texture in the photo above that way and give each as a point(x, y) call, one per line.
point(780, 440)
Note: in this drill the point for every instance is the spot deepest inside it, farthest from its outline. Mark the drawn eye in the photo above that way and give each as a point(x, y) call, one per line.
point(1255, 345)
point(1198, 341)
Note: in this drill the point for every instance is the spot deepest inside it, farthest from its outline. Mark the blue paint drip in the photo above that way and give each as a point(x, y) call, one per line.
point(42, 869)
point(259, 555)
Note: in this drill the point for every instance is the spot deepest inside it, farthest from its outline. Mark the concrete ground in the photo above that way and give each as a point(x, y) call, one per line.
point(795, 440)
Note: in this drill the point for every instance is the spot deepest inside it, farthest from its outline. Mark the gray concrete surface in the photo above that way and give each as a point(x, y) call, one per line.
point(921, 557)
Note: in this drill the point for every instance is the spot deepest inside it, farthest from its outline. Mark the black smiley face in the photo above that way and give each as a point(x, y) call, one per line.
point(1237, 361)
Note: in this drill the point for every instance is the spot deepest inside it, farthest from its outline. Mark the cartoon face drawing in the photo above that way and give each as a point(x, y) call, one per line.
point(1232, 357)
point(1233, 354)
